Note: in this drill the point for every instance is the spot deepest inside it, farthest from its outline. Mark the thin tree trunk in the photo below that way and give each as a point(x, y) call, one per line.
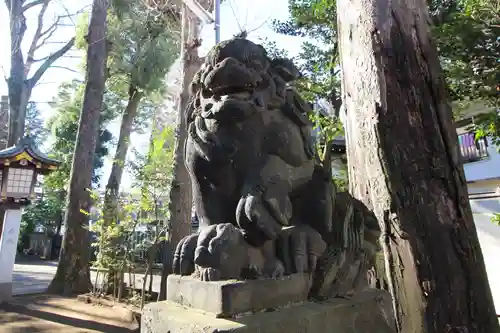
point(149, 265)
point(115, 177)
point(150, 288)
point(157, 128)
point(121, 283)
point(167, 261)
point(404, 164)
point(180, 194)
point(73, 274)
point(151, 257)
point(59, 222)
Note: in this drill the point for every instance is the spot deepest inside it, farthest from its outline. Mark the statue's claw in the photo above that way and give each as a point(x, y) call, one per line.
point(221, 252)
point(184, 255)
point(301, 246)
point(274, 268)
point(209, 274)
point(254, 218)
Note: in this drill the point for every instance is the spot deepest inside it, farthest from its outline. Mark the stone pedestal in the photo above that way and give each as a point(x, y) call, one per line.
point(264, 306)
point(8, 249)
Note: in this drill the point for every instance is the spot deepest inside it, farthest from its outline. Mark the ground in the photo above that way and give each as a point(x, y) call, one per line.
point(33, 312)
point(44, 313)
point(34, 276)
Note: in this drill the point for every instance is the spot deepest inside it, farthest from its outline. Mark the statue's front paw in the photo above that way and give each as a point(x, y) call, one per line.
point(221, 252)
point(299, 247)
point(209, 274)
point(274, 269)
point(184, 255)
point(255, 219)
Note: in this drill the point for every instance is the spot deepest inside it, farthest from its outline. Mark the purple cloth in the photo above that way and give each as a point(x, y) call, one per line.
point(468, 146)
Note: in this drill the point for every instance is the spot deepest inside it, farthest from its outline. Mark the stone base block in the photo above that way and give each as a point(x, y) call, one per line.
point(225, 299)
point(367, 312)
point(5, 291)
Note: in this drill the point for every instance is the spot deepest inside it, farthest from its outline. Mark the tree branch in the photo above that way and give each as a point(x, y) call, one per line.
point(5, 75)
point(47, 34)
point(36, 37)
point(51, 28)
point(41, 59)
point(66, 68)
point(50, 60)
point(31, 4)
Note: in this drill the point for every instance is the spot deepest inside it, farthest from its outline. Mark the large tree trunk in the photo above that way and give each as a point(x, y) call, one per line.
point(4, 122)
point(180, 194)
point(16, 82)
point(115, 177)
point(73, 274)
point(404, 164)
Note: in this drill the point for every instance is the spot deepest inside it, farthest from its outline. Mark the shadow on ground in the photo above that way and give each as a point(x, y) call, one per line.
point(46, 313)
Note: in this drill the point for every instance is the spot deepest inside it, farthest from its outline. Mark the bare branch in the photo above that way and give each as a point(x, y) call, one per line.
point(36, 38)
point(5, 75)
point(58, 42)
point(73, 56)
point(32, 4)
point(51, 28)
point(67, 13)
point(45, 82)
point(50, 60)
point(40, 37)
point(47, 34)
point(41, 59)
point(66, 68)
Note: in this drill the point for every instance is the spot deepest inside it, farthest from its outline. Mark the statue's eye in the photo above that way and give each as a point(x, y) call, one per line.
point(205, 93)
point(264, 83)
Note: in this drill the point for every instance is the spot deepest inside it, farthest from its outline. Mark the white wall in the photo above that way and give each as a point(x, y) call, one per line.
point(489, 239)
point(484, 169)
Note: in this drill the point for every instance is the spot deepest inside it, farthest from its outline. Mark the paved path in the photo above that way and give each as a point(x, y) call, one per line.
point(35, 276)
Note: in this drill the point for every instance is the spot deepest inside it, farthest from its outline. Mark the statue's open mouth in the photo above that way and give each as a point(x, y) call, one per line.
point(237, 92)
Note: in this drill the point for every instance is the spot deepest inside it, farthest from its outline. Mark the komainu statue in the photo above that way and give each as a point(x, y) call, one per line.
point(266, 206)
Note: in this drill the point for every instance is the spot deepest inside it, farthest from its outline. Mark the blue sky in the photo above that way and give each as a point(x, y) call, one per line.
point(254, 16)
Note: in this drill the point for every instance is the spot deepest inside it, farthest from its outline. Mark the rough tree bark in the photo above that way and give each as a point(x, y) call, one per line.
point(180, 205)
point(73, 274)
point(18, 83)
point(404, 164)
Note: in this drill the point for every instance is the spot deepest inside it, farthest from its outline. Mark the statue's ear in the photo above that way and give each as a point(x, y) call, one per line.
point(286, 69)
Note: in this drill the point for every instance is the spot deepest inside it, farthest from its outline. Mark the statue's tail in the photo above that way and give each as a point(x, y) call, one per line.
point(343, 268)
